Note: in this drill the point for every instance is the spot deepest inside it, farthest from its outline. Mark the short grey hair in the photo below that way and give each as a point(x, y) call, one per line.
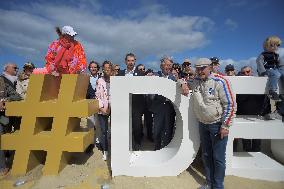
point(164, 58)
point(7, 64)
point(244, 67)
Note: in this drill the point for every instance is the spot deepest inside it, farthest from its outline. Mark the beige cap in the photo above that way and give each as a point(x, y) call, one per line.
point(186, 60)
point(202, 62)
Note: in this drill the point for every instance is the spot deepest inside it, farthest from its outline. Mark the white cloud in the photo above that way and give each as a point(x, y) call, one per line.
point(155, 65)
point(231, 24)
point(28, 31)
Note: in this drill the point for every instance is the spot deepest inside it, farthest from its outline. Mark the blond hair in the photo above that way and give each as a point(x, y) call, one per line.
point(272, 40)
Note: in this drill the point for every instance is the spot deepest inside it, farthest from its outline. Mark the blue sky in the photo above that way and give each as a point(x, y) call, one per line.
point(232, 30)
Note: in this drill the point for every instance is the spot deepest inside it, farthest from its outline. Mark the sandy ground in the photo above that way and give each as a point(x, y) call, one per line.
point(89, 171)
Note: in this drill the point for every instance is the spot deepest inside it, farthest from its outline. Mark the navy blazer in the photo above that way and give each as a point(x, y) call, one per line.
point(138, 100)
point(136, 73)
point(159, 100)
point(91, 93)
point(160, 74)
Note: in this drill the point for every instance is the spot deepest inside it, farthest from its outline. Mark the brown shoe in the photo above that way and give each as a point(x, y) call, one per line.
point(4, 172)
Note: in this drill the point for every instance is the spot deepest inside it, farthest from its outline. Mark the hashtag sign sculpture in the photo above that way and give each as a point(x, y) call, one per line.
point(50, 124)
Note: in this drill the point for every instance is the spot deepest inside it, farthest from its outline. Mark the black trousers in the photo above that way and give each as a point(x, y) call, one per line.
point(148, 118)
point(251, 145)
point(164, 120)
point(138, 106)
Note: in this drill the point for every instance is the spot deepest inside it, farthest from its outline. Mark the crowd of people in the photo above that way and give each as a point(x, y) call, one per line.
point(214, 101)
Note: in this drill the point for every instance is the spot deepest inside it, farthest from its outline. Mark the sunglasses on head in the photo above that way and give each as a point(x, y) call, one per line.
point(215, 64)
point(187, 64)
point(214, 59)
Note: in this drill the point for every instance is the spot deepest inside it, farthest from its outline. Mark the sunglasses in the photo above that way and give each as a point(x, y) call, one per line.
point(15, 68)
point(273, 45)
point(246, 71)
point(201, 68)
point(117, 69)
point(187, 64)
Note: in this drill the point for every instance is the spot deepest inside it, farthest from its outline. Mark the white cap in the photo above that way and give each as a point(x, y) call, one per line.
point(68, 30)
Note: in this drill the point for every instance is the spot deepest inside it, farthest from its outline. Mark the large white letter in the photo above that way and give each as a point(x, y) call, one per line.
point(255, 165)
point(169, 161)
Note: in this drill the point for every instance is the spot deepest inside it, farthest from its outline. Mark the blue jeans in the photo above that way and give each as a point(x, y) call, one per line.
point(103, 124)
point(274, 75)
point(2, 152)
point(213, 154)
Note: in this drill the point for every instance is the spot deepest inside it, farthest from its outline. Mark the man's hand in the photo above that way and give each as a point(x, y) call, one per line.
point(184, 89)
point(223, 132)
point(55, 73)
point(263, 74)
point(64, 42)
point(2, 106)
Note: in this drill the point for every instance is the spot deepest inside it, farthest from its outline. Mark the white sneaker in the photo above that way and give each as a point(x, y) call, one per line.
point(205, 186)
point(97, 140)
point(105, 153)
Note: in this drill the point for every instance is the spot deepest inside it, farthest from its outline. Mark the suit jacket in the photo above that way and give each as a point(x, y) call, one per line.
point(136, 73)
point(138, 100)
point(160, 74)
point(158, 101)
point(8, 90)
point(91, 93)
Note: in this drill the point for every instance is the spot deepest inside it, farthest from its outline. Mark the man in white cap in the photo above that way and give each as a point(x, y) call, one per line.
point(65, 55)
point(186, 67)
point(214, 107)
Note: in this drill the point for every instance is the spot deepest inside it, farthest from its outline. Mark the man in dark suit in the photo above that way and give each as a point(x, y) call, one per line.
point(163, 109)
point(138, 101)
